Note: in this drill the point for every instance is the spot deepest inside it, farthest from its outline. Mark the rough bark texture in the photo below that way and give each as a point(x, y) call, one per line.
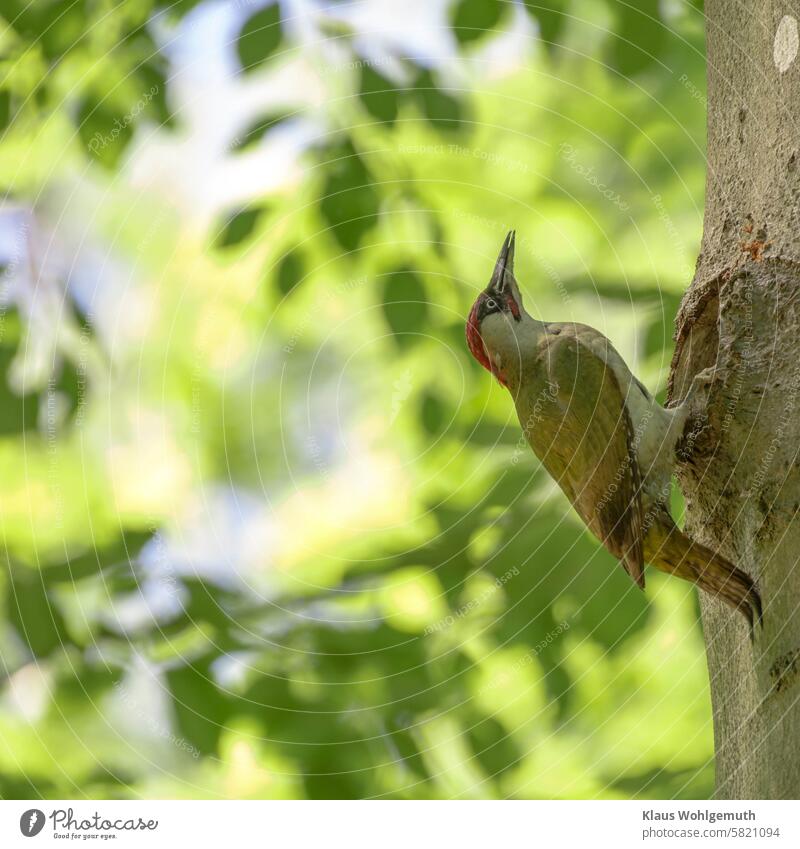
point(742, 313)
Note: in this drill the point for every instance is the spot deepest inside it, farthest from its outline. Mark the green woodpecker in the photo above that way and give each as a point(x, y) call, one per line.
point(604, 439)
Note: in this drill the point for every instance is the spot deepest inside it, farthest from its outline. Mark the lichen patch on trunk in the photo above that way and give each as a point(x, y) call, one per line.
point(784, 49)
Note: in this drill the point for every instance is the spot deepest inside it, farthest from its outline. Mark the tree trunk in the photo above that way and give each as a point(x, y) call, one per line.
point(740, 474)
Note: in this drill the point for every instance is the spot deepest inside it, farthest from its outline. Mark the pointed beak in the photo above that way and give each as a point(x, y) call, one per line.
point(505, 263)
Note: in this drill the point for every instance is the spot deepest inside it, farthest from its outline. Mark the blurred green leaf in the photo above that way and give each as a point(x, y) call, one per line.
point(378, 94)
point(433, 413)
point(551, 17)
point(154, 83)
point(105, 131)
point(18, 413)
point(471, 19)
point(199, 707)
point(238, 225)
point(442, 110)
point(640, 36)
point(257, 130)
point(56, 26)
point(494, 749)
point(29, 609)
point(5, 109)
point(349, 201)
point(405, 305)
point(694, 783)
point(291, 271)
point(118, 558)
point(260, 37)
point(176, 9)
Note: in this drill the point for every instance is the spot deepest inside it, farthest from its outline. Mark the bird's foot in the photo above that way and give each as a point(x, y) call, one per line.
point(689, 420)
point(703, 378)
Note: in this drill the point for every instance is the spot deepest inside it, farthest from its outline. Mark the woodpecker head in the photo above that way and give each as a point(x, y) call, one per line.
point(495, 313)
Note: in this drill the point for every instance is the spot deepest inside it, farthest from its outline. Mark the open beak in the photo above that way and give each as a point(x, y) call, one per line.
point(505, 263)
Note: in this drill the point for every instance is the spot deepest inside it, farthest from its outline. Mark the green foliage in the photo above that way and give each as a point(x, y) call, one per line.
point(269, 530)
point(108, 78)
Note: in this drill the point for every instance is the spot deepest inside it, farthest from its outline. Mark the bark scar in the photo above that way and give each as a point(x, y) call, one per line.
point(693, 308)
point(694, 305)
point(755, 248)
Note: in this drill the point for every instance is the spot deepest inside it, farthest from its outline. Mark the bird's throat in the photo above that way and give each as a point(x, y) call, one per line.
point(479, 350)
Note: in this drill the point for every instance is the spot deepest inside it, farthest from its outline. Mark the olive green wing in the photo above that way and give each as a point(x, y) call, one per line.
point(591, 443)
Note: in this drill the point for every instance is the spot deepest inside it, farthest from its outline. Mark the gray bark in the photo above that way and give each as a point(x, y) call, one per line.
point(740, 473)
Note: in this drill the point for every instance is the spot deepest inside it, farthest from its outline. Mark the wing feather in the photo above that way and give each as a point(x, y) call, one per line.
point(588, 446)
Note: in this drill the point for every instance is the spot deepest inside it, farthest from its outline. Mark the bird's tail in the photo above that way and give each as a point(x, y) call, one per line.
point(670, 550)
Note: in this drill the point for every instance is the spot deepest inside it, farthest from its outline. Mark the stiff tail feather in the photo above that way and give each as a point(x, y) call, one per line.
point(672, 551)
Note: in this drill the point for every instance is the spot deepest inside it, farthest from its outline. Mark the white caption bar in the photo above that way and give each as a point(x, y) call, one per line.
point(400, 825)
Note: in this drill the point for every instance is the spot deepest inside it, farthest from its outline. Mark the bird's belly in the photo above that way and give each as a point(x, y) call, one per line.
point(550, 429)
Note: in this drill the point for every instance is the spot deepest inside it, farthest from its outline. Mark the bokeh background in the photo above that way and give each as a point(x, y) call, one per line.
point(267, 530)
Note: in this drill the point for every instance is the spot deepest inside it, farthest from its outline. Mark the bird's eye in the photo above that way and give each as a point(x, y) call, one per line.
point(491, 304)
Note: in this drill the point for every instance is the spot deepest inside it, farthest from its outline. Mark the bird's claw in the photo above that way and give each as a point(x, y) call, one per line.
point(703, 378)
